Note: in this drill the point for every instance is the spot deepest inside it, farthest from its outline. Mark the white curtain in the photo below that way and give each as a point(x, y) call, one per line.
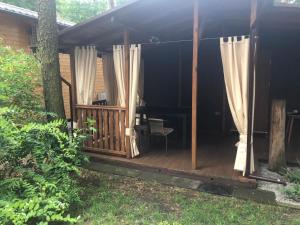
point(110, 82)
point(134, 73)
point(135, 63)
point(235, 58)
point(85, 70)
point(119, 62)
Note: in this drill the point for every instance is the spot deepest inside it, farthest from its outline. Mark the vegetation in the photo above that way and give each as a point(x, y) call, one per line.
point(110, 199)
point(37, 164)
point(38, 160)
point(293, 175)
point(20, 86)
point(70, 10)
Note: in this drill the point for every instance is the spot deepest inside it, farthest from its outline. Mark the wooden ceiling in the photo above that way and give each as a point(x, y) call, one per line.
point(173, 20)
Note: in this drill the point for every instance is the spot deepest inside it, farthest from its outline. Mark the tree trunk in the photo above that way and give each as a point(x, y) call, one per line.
point(111, 4)
point(49, 57)
point(277, 136)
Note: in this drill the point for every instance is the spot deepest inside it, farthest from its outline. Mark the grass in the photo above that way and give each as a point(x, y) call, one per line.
point(293, 192)
point(109, 199)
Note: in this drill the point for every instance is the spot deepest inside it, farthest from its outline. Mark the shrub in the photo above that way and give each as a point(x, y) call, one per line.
point(293, 192)
point(293, 175)
point(37, 166)
point(20, 86)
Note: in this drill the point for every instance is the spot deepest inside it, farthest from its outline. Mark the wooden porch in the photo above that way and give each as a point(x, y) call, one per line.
point(189, 53)
point(215, 158)
point(216, 155)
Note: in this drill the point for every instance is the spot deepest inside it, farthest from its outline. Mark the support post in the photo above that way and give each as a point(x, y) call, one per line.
point(252, 65)
point(126, 72)
point(277, 136)
point(195, 83)
point(73, 84)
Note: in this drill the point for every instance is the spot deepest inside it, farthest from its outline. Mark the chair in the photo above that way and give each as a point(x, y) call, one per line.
point(157, 128)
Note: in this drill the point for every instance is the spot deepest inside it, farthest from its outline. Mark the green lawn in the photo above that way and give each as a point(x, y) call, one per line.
point(109, 199)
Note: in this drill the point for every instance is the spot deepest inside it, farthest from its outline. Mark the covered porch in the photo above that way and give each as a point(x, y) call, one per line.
point(183, 81)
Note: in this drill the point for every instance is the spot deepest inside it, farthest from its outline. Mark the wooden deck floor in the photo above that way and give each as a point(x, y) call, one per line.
point(216, 157)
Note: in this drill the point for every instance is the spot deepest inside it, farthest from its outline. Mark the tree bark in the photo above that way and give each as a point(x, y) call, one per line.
point(111, 4)
point(49, 57)
point(277, 136)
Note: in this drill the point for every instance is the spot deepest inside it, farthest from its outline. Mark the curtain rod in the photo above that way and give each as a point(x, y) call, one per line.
point(187, 40)
point(179, 41)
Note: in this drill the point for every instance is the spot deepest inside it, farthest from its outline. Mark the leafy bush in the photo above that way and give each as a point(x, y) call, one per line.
point(293, 175)
point(37, 165)
point(20, 86)
point(293, 192)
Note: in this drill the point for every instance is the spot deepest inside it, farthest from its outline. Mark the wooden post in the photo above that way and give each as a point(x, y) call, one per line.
point(277, 136)
point(195, 83)
point(73, 83)
point(126, 72)
point(252, 65)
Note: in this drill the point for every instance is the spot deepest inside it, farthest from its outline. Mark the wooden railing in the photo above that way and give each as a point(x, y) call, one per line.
point(108, 137)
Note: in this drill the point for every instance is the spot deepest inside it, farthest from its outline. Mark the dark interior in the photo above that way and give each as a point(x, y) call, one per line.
point(168, 73)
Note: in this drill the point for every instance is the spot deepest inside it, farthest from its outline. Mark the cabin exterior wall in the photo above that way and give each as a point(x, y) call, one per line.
point(15, 31)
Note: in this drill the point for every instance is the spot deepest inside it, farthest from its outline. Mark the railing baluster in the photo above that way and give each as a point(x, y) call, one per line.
point(117, 129)
point(106, 135)
point(111, 130)
point(122, 122)
point(109, 137)
point(96, 132)
point(84, 124)
point(79, 121)
point(89, 125)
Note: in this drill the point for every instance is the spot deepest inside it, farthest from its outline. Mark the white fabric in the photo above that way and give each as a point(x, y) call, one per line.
point(85, 70)
point(134, 73)
point(110, 82)
point(235, 58)
point(119, 62)
point(135, 62)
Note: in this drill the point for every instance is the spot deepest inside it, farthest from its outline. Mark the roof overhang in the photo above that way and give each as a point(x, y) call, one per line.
point(173, 20)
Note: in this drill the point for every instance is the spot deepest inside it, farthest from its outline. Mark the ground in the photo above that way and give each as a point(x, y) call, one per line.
point(110, 199)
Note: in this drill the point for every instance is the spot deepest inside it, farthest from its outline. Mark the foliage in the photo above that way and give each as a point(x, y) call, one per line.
point(293, 175)
point(77, 10)
point(37, 165)
point(20, 86)
point(293, 192)
point(28, 4)
point(72, 10)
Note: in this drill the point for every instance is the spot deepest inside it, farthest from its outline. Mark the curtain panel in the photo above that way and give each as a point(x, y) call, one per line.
point(110, 82)
point(134, 75)
point(134, 81)
point(119, 62)
point(235, 59)
point(85, 71)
